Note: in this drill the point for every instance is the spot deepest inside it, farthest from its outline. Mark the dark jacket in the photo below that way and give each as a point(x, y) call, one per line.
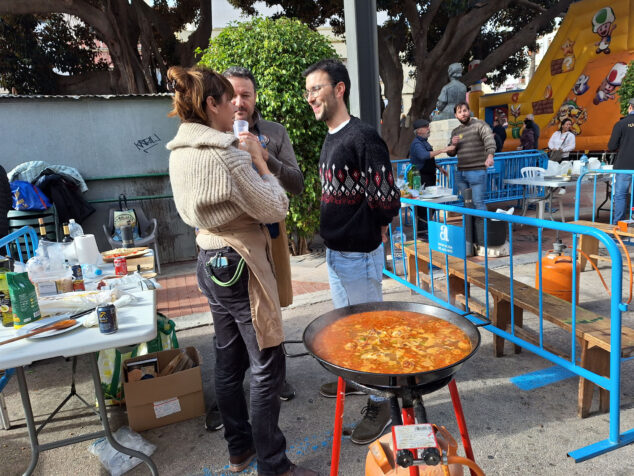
point(66, 197)
point(6, 202)
point(527, 139)
point(420, 157)
point(282, 162)
point(622, 139)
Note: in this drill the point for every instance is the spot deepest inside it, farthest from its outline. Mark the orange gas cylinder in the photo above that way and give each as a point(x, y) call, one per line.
point(557, 274)
point(380, 458)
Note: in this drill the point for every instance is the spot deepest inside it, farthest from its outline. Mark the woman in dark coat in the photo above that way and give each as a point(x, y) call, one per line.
point(527, 139)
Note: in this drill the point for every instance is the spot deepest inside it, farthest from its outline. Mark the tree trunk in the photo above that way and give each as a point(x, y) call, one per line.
point(391, 72)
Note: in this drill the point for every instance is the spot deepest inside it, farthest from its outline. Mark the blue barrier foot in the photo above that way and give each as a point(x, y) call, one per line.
point(601, 447)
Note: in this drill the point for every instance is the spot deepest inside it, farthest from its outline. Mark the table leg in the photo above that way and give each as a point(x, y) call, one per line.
point(104, 419)
point(30, 423)
point(541, 205)
point(590, 246)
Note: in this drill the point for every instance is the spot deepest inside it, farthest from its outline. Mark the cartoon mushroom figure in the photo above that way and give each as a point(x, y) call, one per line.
point(603, 25)
point(611, 82)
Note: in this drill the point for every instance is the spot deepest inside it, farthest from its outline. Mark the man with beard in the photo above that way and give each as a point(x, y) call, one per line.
point(280, 159)
point(474, 146)
point(359, 200)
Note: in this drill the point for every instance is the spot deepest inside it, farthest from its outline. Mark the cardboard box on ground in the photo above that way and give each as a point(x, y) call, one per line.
point(163, 400)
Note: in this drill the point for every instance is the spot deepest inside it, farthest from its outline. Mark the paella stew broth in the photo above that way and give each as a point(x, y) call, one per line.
point(392, 342)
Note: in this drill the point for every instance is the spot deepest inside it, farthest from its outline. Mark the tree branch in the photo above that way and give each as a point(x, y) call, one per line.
point(86, 12)
point(428, 18)
point(532, 5)
point(410, 11)
point(513, 45)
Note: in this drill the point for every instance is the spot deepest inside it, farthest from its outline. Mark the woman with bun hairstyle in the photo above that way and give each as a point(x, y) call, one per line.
point(225, 189)
point(562, 142)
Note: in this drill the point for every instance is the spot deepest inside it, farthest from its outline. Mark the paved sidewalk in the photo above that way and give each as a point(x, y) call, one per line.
point(513, 431)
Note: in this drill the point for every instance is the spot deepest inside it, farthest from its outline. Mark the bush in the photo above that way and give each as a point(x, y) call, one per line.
point(626, 91)
point(277, 52)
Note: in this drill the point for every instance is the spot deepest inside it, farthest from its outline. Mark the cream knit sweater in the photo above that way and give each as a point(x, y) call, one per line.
point(214, 183)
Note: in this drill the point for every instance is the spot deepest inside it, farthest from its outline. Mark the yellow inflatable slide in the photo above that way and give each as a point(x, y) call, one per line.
point(578, 78)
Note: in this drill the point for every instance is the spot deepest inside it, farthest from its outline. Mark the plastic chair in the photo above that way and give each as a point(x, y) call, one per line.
point(534, 192)
point(147, 233)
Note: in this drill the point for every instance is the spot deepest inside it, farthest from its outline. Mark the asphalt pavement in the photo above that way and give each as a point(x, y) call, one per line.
point(513, 431)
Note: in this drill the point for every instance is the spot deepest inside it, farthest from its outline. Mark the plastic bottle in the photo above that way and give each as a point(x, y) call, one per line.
point(416, 180)
point(91, 271)
point(398, 238)
point(75, 228)
point(584, 163)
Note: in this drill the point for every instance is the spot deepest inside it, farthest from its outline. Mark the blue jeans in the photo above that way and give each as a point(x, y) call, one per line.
point(355, 278)
point(621, 202)
point(476, 180)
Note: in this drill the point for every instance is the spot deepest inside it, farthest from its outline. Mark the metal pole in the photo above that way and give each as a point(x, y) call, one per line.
point(363, 60)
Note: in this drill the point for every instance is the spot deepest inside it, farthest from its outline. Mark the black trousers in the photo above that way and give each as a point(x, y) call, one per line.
point(236, 351)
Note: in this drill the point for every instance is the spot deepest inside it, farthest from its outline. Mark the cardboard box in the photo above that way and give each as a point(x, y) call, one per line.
point(164, 400)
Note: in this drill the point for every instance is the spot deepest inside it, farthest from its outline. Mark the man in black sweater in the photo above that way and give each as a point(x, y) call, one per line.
point(359, 200)
point(622, 139)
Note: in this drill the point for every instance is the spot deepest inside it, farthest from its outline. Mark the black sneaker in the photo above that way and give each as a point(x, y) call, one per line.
point(288, 392)
point(213, 421)
point(329, 390)
point(376, 418)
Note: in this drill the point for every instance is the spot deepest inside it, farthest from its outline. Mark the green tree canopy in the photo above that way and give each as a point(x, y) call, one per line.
point(34, 50)
point(142, 39)
point(626, 91)
point(277, 52)
point(429, 35)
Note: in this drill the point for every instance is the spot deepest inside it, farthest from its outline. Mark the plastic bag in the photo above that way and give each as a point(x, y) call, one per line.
point(76, 301)
point(110, 361)
point(119, 463)
point(27, 196)
point(23, 299)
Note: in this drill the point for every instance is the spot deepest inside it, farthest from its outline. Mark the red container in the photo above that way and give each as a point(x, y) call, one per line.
point(120, 266)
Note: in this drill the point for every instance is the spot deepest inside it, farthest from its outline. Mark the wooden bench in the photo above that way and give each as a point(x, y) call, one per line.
point(593, 330)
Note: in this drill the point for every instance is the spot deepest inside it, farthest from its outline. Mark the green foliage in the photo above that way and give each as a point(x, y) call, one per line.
point(626, 91)
point(277, 52)
point(32, 47)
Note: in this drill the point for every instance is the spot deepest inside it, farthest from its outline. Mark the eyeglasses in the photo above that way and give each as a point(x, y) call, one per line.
point(314, 91)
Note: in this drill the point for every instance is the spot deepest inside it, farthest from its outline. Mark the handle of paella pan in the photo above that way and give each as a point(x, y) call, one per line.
point(480, 317)
point(287, 354)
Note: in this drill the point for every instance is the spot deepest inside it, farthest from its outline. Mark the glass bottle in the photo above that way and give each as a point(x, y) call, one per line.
point(67, 238)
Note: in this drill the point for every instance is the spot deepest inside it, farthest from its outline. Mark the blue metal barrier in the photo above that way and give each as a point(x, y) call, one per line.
point(615, 438)
point(13, 244)
point(507, 165)
point(609, 194)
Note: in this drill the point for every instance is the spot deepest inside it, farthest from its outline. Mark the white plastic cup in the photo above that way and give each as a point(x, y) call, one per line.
point(240, 126)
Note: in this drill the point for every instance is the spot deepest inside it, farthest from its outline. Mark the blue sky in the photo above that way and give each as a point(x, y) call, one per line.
point(223, 12)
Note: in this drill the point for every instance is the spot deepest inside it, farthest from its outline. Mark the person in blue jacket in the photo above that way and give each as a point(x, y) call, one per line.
point(422, 155)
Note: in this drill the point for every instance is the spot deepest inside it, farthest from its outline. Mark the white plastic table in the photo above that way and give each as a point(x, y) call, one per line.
point(551, 184)
point(137, 323)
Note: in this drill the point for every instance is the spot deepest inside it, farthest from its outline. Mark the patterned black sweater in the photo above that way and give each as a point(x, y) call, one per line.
point(358, 194)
